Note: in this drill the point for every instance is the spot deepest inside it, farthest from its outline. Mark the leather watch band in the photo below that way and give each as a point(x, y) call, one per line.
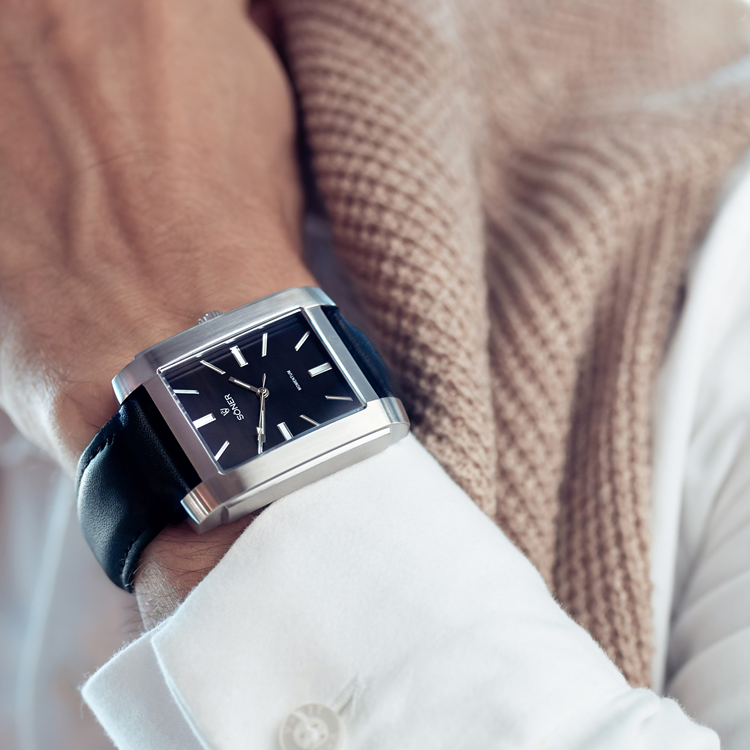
point(363, 351)
point(130, 482)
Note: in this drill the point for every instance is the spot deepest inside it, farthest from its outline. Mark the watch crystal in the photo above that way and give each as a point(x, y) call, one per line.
point(261, 389)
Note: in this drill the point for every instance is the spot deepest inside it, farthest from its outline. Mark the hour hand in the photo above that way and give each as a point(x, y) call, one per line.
point(243, 384)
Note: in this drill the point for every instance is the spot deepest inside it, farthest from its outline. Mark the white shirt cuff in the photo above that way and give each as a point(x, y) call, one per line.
point(385, 594)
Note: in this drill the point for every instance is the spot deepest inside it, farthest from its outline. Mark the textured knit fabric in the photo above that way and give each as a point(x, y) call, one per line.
point(514, 187)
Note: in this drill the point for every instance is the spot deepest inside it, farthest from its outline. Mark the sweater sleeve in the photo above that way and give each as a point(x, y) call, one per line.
point(383, 595)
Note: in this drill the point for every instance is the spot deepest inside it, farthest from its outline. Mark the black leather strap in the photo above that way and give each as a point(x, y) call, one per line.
point(130, 481)
point(363, 352)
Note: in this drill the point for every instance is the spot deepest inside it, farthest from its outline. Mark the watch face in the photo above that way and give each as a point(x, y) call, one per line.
point(260, 390)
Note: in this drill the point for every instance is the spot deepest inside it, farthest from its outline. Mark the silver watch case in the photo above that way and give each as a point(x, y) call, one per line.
point(223, 497)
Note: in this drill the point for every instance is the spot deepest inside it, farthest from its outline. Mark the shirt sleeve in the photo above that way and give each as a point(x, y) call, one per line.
point(702, 488)
point(709, 652)
point(708, 659)
point(384, 594)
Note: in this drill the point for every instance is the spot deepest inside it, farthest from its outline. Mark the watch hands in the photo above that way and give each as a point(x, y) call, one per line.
point(263, 394)
point(262, 419)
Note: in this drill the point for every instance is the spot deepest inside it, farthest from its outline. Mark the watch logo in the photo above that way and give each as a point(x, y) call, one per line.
point(294, 380)
point(232, 407)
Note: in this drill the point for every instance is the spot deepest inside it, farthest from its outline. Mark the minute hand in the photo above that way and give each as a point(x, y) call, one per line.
point(262, 419)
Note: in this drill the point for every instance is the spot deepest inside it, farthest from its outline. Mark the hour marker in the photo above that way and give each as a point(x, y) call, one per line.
point(221, 450)
point(325, 367)
point(185, 392)
point(264, 345)
point(298, 345)
point(237, 354)
point(212, 367)
point(203, 421)
point(285, 431)
point(311, 421)
point(339, 398)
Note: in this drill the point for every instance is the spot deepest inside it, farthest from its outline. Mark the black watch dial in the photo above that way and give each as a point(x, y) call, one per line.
point(259, 390)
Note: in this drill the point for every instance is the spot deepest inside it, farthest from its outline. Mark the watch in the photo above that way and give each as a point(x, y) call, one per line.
point(228, 416)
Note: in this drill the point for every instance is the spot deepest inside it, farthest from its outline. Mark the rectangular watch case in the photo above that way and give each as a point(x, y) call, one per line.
point(222, 497)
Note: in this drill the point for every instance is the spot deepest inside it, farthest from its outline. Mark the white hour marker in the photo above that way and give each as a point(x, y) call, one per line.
point(320, 369)
point(237, 354)
point(186, 392)
point(339, 398)
point(298, 345)
point(311, 421)
point(285, 431)
point(203, 421)
point(264, 345)
point(212, 367)
point(221, 450)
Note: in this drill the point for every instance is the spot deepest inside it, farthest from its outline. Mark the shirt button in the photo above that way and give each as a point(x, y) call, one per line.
point(312, 727)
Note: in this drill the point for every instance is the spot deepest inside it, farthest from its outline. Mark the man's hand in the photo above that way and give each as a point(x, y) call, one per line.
point(147, 175)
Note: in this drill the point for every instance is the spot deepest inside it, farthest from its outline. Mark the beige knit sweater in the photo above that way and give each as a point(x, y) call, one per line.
point(514, 187)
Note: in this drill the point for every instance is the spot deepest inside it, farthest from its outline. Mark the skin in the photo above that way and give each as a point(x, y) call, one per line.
point(147, 175)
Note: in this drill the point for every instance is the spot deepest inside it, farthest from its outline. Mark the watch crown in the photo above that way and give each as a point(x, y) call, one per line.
point(209, 316)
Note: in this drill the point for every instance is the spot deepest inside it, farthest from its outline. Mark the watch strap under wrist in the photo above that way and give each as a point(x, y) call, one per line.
point(362, 351)
point(130, 482)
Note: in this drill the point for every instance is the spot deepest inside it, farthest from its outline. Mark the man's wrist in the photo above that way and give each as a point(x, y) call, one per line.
point(176, 562)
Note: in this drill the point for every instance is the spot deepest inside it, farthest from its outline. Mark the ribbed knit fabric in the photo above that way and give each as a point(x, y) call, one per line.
point(514, 188)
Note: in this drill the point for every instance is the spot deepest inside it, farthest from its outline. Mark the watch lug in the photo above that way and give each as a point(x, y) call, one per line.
point(198, 506)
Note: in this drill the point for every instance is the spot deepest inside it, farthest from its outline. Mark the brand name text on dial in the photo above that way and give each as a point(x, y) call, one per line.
point(232, 407)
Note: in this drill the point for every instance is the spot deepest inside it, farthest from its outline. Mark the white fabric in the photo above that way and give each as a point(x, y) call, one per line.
point(704, 455)
point(386, 585)
point(60, 618)
point(383, 593)
point(701, 405)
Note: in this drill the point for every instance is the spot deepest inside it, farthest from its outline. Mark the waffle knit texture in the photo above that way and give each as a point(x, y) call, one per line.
point(514, 188)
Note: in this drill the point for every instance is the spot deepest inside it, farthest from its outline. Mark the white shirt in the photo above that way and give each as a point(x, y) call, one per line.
point(384, 594)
